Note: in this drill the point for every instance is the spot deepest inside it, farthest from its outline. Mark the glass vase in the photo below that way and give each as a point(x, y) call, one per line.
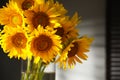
point(40, 71)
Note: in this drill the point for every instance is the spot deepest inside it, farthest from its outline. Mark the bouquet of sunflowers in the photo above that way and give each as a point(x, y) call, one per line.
point(41, 32)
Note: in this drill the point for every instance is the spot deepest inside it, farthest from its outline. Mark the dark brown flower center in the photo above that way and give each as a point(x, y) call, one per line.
point(19, 40)
point(27, 4)
point(73, 50)
point(42, 43)
point(60, 31)
point(40, 18)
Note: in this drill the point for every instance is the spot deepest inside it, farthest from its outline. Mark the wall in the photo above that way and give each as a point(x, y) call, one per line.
point(93, 24)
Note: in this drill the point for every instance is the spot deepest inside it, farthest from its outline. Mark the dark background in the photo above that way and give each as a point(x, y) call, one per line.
point(10, 69)
point(113, 40)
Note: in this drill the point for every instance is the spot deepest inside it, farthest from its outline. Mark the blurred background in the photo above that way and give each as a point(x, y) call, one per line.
point(93, 24)
point(98, 19)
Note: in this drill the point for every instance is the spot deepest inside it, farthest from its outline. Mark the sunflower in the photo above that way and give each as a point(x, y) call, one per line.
point(44, 45)
point(14, 42)
point(11, 15)
point(74, 52)
point(68, 29)
point(25, 4)
point(45, 14)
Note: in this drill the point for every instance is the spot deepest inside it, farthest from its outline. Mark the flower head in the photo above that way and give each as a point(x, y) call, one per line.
point(11, 15)
point(74, 52)
point(68, 29)
point(45, 14)
point(14, 42)
point(45, 45)
point(25, 4)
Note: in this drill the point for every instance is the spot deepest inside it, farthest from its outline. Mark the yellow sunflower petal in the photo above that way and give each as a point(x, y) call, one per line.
point(11, 15)
point(44, 46)
point(68, 29)
point(75, 51)
point(25, 4)
point(44, 14)
point(14, 42)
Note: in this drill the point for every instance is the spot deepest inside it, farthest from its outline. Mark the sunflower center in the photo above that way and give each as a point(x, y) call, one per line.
point(60, 31)
point(19, 40)
point(27, 4)
point(40, 18)
point(42, 43)
point(16, 19)
point(74, 50)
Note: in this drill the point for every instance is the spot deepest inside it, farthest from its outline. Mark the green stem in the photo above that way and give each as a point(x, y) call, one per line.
point(28, 69)
point(34, 71)
point(28, 66)
point(42, 72)
point(25, 75)
point(37, 70)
